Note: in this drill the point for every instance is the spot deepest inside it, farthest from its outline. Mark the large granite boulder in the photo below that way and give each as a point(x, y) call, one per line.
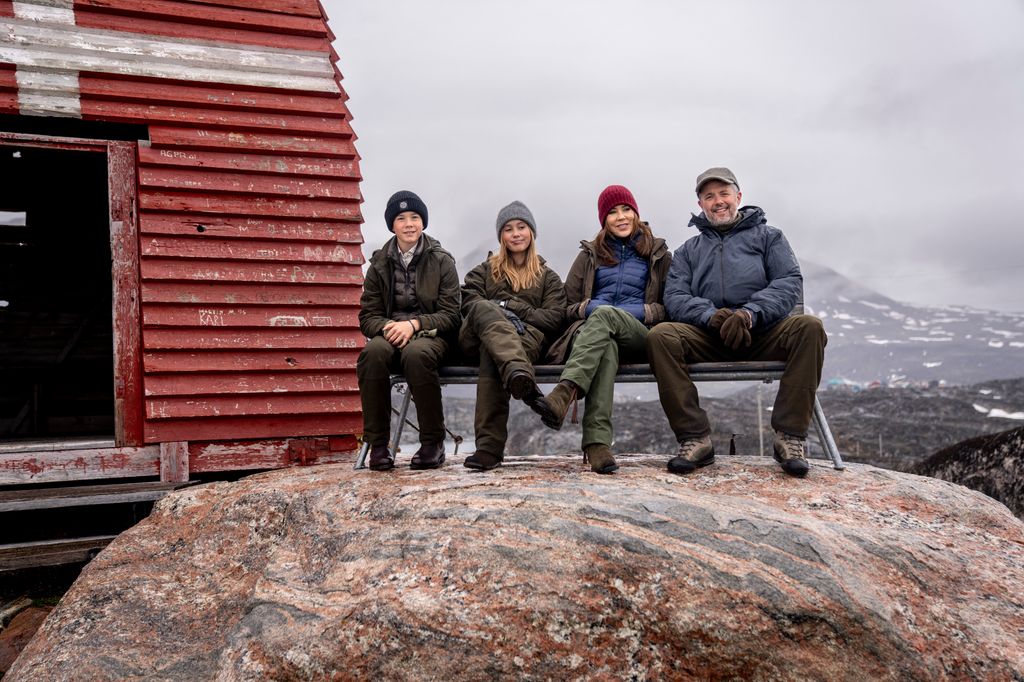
point(541, 570)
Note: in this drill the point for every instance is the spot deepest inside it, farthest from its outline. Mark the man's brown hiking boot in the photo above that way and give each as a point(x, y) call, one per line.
point(524, 387)
point(789, 453)
point(556, 404)
point(694, 453)
point(381, 458)
point(429, 456)
point(600, 457)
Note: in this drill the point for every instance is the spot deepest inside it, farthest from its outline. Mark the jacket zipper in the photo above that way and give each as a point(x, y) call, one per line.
point(721, 267)
point(622, 269)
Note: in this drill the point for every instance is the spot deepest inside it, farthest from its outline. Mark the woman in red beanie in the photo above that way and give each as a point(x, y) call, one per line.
point(614, 292)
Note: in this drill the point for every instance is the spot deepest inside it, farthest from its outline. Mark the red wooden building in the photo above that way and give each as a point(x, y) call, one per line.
point(179, 239)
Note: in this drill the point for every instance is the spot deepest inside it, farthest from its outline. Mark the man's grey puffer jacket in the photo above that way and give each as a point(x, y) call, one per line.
point(751, 266)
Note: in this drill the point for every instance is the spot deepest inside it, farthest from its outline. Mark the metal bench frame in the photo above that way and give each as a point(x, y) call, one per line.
point(766, 372)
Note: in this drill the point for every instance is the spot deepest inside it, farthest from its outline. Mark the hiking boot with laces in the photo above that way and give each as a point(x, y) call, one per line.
point(553, 407)
point(789, 453)
point(694, 453)
point(601, 459)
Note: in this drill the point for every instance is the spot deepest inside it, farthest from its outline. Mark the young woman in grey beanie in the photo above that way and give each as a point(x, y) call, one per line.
point(513, 305)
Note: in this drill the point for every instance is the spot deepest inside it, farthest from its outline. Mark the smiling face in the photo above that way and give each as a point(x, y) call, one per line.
point(720, 202)
point(516, 236)
point(408, 227)
point(621, 221)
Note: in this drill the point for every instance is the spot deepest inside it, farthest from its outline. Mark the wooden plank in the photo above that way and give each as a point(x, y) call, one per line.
point(249, 361)
point(6, 8)
point(280, 338)
point(213, 271)
point(206, 246)
point(174, 462)
point(79, 465)
point(171, 136)
point(113, 87)
point(251, 406)
point(74, 48)
point(130, 112)
point(238, 428)
point(267, 454)
point(191, 384)
point(125, 273)
point(269, 164)
point(91, 18)
point(246, 227)
point(322, 209)
point(308, 8)
point(14, 557)
point(243, 294)
point(83, 496)
point(253, 317)
point(202, 180)
point(8, 102)
point(206, 15)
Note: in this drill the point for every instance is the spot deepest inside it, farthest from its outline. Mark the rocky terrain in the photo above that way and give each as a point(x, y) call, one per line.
point(540, 570)
point(993, 465)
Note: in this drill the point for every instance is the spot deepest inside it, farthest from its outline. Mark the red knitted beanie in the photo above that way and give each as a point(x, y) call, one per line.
point(612, 196)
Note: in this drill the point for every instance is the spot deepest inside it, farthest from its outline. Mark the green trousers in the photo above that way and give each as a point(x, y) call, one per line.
point(502, 351)
point(607, 334)
point(418, 362)
point(798, 340)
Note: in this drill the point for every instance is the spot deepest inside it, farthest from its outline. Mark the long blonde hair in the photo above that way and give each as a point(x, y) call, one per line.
point(519, 278)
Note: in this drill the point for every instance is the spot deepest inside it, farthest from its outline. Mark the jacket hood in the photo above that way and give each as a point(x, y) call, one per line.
point(749, 217)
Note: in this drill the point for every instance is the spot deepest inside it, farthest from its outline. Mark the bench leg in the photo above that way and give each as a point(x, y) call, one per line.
point(361, 459)
point(825, 433)
point(402, 412)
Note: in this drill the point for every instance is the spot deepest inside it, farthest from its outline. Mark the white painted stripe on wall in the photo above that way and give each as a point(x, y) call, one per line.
point(53, 11)
point(62, 47)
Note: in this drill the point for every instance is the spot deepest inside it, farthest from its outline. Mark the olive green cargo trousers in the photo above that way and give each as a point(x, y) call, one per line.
point(502, 351)
point(608, 334)
point(798, 340)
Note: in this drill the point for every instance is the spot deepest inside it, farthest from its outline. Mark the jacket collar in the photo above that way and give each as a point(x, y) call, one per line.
point(751, 216)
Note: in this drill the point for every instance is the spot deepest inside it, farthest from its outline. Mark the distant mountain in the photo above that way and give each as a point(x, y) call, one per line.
point(992, 464)
point(872, 337)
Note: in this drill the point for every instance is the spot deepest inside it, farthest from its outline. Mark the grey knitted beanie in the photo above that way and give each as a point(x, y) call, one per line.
point(515, 211)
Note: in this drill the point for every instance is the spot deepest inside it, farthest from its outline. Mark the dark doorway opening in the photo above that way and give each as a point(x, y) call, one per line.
point(56, 331)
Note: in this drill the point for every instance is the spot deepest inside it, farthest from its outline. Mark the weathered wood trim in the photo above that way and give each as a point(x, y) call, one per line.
point(268, 454)
point(83, 496)
point(79, 465)
point(174, 462)
point(124, 251)
point(51, 552)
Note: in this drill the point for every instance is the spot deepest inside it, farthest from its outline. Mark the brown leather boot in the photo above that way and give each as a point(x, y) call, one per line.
point(429, 456)
point(555, 405)
point(381, 458)
point(600, 457)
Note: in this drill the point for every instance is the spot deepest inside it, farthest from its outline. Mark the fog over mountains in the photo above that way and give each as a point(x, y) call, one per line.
point(875, 338)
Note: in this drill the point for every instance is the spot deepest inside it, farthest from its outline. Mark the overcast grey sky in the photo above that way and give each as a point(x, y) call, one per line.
point(886, 138)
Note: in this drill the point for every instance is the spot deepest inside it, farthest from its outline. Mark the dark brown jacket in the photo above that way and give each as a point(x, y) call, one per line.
point(579, 286)
point(540, 307)
point(437, 290)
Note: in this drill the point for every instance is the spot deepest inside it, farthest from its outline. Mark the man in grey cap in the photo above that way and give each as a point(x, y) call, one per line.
point(732, 294)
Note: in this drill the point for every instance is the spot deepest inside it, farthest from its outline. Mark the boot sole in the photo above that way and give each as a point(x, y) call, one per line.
point(690, 467)
point(799, 472)
point(521, 385)
point(478, 466)
point(606, 469)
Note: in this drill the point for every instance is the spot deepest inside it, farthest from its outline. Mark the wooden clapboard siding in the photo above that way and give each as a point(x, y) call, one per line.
point(248, 201)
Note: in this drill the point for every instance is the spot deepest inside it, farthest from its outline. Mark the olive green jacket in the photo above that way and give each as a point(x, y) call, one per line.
point(540, 307)
point(437, 289)
point(579, 286)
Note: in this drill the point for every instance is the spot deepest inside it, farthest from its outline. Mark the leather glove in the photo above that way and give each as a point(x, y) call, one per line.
point(720, 316)
point(735, 331)
point(516, 322)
